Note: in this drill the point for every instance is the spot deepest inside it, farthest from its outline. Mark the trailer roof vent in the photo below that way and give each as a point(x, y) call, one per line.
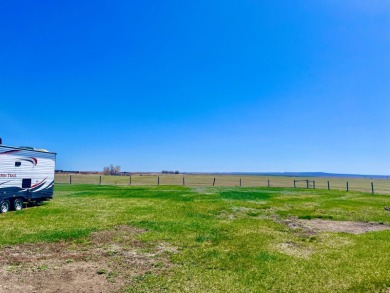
point(42, 150)
point(27, 148)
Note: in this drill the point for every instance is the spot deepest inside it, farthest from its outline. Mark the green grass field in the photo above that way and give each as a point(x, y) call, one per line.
point(227, 239)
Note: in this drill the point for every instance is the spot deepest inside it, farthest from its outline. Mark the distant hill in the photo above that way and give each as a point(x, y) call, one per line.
point(299, 174)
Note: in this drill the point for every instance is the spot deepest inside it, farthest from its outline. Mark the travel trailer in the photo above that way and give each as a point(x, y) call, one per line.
point(26, 176)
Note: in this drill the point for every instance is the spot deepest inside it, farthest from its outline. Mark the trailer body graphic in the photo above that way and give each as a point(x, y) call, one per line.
point(26, 175)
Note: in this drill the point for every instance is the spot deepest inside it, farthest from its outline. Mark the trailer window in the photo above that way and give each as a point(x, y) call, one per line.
point(18, 164)
point(26, 183)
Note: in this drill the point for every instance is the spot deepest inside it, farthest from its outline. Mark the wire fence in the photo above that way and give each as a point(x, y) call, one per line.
point(370, 185)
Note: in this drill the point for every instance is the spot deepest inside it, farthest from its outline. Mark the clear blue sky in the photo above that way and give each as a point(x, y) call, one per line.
point(199, 85)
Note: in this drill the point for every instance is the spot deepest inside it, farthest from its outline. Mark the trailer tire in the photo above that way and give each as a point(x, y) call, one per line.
point(18, 204)
point(4, 206)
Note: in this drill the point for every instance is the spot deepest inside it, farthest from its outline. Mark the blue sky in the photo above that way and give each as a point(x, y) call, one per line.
point(243, 85)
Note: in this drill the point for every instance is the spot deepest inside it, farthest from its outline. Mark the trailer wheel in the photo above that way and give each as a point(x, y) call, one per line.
point(18, 204)
point(4, 206)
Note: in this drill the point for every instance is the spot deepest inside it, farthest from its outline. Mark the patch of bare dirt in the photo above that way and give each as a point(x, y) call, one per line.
point(319, 225)
point(306, 232)
point(106, 262)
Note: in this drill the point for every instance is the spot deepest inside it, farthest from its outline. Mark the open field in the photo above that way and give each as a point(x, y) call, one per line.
point(94, 238)
point(363, 185)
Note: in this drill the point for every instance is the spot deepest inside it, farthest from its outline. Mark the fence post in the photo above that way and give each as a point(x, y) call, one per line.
point(307, 183)
point(314, 184)
point(328, 185)
point(130, 180)
point(294, 184)
point(70, 179)
point(184, 182)
point(372, 187)
point(347, 186)
point(240, 182)
point(158, 180)
point(268, 183)
point(100, 180)
point(214, 181)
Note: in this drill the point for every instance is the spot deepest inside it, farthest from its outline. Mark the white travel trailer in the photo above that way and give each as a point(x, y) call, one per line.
point(26, 175)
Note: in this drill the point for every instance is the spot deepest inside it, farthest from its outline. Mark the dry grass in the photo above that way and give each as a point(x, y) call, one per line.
point(363, 185)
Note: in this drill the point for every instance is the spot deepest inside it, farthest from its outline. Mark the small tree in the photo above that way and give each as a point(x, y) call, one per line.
point(106, 170)
point(117, 169)
point(111, 170)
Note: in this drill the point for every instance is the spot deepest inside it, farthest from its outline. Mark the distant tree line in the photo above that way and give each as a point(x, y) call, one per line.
point(170, 172)
point(112, 170)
